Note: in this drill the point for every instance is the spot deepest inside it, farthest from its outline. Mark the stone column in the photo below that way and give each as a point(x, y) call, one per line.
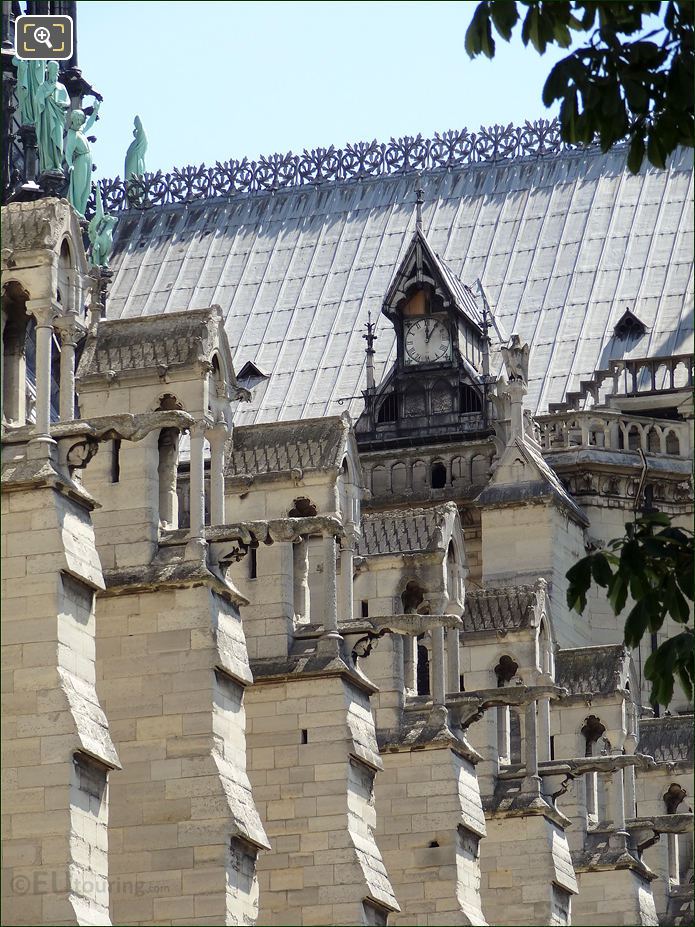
point(347, 551)
point(71, 330)
point(532, 779)
point(629, 779)
point(44, 311)
point(197, 480)
point(517, 391)
point(674, 875)
point(410, 663)
point(330, 640)
point(438, 677)
point(217, 436)
point(503, 734)
point(300, 585)
point(618, 802)
point(544, 729)
point(453, 660)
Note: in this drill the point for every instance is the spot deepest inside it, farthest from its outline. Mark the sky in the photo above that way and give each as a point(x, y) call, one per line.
point(220, 80)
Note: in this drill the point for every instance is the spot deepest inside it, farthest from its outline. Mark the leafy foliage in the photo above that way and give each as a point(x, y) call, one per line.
point(622, 83)
point(654, 564)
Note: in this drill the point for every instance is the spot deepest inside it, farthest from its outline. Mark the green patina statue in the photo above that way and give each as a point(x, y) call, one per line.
point(79, 158)
point(135, 156)
point(51, 103)
point(30, 75)
point(100, 232)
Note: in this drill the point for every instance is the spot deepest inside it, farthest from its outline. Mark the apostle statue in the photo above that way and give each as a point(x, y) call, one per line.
point(79, 158)
point(515, 356)
point(135, 156)
point(100, 232)
point(30, 75)
point(51, 105)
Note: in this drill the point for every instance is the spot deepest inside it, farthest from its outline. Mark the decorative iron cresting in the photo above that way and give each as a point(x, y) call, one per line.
point(321, 165)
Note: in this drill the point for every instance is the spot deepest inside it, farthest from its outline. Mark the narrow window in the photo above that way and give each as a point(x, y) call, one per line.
point(438, 476)
point(115, 460)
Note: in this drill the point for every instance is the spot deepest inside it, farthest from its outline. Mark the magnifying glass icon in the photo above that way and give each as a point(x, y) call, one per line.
point(42, 35)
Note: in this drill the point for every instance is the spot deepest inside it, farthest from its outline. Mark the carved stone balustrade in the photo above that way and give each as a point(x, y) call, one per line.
point(607, 430)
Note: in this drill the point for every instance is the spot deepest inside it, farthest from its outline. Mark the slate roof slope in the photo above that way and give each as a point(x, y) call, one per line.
point(281, 446)
point(668, 740)
point(586, 670)
point(511, 608)
point(562, 244)
point(406, 531)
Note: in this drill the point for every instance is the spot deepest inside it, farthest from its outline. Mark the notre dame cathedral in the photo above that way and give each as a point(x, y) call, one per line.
point(296, 455)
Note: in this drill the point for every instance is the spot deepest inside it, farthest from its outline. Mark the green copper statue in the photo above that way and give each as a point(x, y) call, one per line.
point(79, 158)
point(51, 104)
point(135, 156)
point(30, 75)
point(100, 232)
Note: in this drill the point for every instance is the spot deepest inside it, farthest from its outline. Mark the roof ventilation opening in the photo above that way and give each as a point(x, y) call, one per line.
point(251, 375)
point(629, 327)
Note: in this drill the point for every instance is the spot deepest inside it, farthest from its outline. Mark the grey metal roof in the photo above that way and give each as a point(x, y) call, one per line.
point(598, 670)
point(562, 244)
point(668, 739)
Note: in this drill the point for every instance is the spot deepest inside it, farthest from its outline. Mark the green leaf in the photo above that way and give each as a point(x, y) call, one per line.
point(617, 594)
point(504, 16)
point(479, 33)
point(601, 570)
point(636, 624)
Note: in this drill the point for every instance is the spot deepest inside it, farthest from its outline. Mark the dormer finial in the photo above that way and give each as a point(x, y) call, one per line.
point(419, 200)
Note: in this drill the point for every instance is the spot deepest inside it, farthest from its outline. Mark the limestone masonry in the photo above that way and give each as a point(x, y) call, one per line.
point(284, 624)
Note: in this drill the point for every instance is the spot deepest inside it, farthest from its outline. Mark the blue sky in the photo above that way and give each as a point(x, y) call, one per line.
point(256, 78)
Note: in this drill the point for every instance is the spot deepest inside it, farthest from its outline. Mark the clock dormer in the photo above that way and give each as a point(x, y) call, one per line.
point(436, 387)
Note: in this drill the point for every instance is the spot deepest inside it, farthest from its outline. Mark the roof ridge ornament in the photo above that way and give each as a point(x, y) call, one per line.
point(402, 156)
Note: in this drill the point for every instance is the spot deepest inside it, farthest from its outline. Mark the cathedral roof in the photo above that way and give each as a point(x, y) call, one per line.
point(511, 608)
point(561, 242)
point(406, 531)
point(318, 444)
point(600, 670)
point(668, 739)
point(176, 340)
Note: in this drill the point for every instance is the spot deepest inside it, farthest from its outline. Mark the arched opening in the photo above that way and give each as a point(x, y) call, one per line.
point(673, 446)
point(469, 400)
point(505, 671)
point(438, 476)
point(167, 466)
point(653, 441)
point(64, 282)
point(18, 330)
point(592, 730)
point(168, 450)
point(414, 403)
point(423, 668)
point(388, 410)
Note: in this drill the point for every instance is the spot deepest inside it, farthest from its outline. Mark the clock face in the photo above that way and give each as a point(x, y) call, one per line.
point(426, 341)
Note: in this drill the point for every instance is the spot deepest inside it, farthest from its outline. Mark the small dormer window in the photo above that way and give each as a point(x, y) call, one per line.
point(251, 375)
point(629, 327)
